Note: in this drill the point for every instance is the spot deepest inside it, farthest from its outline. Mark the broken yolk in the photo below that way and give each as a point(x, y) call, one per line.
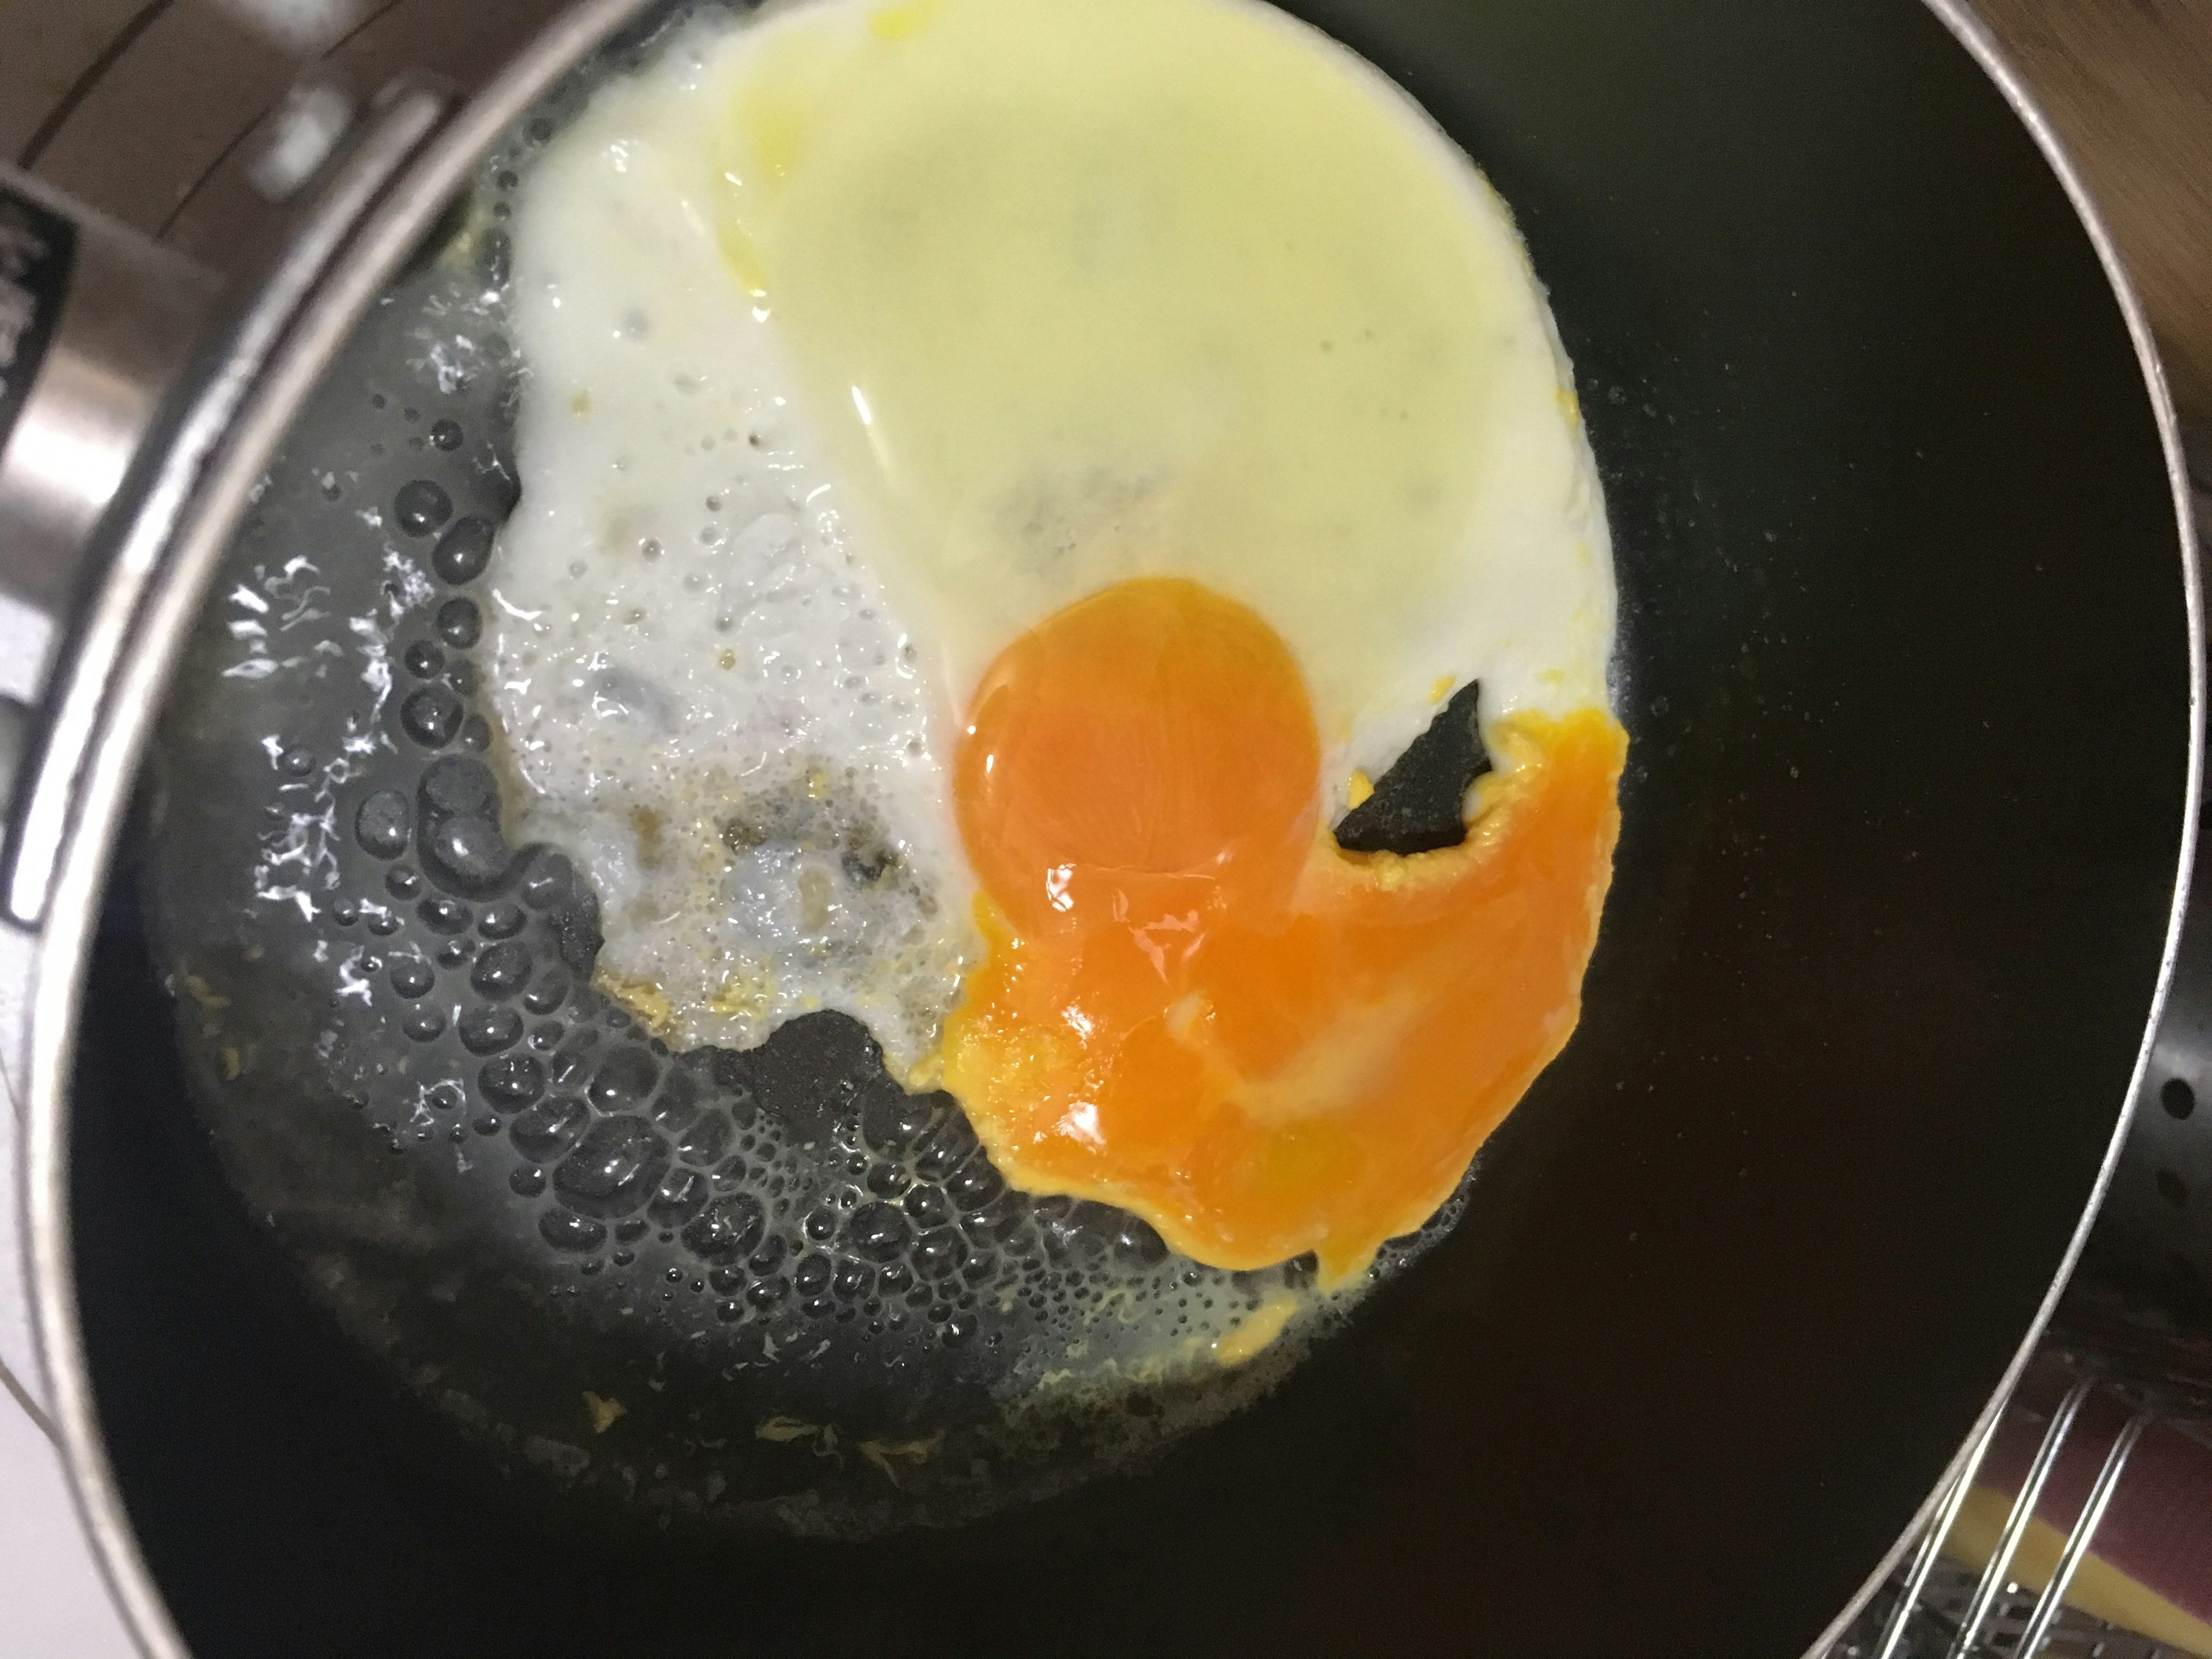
point(1194, 1005)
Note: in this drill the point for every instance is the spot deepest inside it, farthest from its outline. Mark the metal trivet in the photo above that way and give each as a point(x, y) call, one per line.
point(2103, 1343)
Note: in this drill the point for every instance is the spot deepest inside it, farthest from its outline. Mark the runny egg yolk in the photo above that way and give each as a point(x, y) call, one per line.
point(1194, 1005)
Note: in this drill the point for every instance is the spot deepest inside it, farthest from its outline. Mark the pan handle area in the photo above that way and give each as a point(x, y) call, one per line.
point(97, 322)
point(133, 368)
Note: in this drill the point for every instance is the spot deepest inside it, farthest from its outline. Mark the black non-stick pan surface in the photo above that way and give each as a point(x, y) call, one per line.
point(1905, 667)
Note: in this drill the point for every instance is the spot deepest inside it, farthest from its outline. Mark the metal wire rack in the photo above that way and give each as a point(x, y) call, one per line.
point(1937, 1609)
point(1938, 1617)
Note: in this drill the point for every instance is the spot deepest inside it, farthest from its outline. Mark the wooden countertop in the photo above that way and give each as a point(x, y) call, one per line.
point(2128, 84)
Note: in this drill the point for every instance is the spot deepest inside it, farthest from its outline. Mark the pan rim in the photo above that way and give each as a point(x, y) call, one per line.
point(377, 243)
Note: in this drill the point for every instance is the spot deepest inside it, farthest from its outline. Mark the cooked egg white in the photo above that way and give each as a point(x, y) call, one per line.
point(998, 475)
point(1087, 289)
point(704, 692)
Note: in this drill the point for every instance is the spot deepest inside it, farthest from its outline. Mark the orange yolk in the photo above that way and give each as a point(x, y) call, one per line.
point(1194, 1005)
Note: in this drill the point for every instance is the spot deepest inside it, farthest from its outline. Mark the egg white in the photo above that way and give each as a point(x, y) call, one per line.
point(727, 664)
point(1086, 290)
point(702, 691)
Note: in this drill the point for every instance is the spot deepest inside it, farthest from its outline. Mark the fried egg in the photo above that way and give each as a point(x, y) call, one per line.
point(1000, 478)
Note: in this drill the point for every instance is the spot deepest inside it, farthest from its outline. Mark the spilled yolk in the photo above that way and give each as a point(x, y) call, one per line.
point(1194, 1005)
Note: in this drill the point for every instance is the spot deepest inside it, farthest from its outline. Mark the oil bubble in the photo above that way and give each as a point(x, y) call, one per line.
point(431, 716)
point(729, 1228)
point(384, 825)
point(614, 1169)
point(421, 507)
point(463, 551)
point(412, 977)
point(567, 1232)
point(488, 1030)
point(460, 623)
point(512, 1080)
point(624, 1079)
point(502, 970)
point(548, 1129)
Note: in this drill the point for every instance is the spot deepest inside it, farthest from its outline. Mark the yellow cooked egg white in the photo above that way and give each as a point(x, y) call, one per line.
point(1086, 290)
point(886, 362)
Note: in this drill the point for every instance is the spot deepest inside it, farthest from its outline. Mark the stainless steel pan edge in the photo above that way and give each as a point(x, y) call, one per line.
point(113, 715)
point(1958, 16)
point(345, 246)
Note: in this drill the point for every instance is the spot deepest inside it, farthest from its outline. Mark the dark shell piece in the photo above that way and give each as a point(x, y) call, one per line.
point(1420, 804)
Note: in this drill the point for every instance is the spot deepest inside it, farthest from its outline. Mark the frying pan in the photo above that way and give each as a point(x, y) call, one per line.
point(1909, 661)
